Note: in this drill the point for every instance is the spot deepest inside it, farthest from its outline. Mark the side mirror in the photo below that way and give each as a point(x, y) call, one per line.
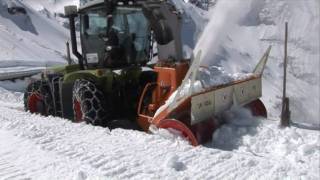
point(133, 36)
point(86, 22)
point(70, 10)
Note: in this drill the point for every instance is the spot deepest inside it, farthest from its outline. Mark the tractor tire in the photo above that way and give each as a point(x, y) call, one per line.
point(38, 98)
point(89, 104)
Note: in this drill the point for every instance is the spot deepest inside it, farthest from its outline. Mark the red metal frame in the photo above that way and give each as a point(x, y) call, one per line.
point(78, 112)
point(179, 126)
point(33, 102)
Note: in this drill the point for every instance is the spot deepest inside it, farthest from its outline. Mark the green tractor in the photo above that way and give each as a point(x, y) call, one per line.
point(110, 75)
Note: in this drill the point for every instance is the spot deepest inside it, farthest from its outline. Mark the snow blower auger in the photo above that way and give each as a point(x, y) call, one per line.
point(174, 101)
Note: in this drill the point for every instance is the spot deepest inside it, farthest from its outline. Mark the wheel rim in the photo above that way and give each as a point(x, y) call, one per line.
point(78, 111)
point(179, 126)
point(257, 108)
point(36, 104)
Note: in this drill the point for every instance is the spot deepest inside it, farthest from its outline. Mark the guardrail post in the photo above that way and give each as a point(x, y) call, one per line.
point(285, 112)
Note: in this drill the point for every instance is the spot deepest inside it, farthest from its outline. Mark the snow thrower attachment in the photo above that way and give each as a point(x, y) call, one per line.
point(193, 109)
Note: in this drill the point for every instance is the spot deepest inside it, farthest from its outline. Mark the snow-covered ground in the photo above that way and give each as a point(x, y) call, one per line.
point(38, 147)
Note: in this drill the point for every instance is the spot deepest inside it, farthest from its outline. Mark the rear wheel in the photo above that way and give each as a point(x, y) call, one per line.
point(89, 103)
point(38, 99)
point(180, 127)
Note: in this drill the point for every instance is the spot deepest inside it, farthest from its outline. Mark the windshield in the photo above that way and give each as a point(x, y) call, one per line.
point(95, 22)
point(129, 24)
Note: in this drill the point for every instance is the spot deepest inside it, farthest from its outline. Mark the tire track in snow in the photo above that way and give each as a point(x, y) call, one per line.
point(7, 169)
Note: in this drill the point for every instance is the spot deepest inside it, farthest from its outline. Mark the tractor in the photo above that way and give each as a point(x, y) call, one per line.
point(111, 72)
point(114, 86)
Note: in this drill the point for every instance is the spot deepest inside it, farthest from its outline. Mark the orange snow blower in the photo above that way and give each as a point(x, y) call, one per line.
point(173, 102)
point(193, 113)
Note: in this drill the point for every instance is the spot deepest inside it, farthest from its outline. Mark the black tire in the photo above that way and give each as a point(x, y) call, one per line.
point(38, 98)
point(90, 102)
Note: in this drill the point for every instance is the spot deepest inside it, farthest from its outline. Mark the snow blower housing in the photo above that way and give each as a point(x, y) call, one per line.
point(111, 80)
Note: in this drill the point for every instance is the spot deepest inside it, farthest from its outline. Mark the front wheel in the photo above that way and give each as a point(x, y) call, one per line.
point(89, 103)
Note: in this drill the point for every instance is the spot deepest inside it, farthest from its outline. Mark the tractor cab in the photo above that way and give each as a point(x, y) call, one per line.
point(114, 34)
point(128, 36)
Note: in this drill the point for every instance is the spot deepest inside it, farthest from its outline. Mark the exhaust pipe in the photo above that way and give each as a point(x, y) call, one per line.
point(71, 13)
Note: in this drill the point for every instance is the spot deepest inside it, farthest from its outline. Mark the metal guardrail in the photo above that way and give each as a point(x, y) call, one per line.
point(17, 75)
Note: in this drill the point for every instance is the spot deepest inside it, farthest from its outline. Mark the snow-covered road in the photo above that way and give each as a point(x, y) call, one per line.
point(37, 147)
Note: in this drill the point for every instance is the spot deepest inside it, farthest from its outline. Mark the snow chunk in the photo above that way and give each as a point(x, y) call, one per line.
point(174, 162)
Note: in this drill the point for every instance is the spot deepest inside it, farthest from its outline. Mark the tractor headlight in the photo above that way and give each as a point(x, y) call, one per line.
point(100, 72)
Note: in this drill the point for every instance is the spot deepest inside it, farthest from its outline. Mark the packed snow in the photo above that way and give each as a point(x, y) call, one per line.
point(235, 37)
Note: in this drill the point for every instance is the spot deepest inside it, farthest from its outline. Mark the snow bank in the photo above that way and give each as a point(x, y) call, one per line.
point(303, 54)
point(264, 138)
point(15, 86)
point(10, 97)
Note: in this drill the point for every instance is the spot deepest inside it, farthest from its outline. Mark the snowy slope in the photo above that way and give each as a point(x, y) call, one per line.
point(52, 9)
point(36, 147)
point(53, 6)
point(30, 39)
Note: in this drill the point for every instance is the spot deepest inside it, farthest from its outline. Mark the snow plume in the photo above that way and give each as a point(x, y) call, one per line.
point(224, 17)
point(194, 21)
